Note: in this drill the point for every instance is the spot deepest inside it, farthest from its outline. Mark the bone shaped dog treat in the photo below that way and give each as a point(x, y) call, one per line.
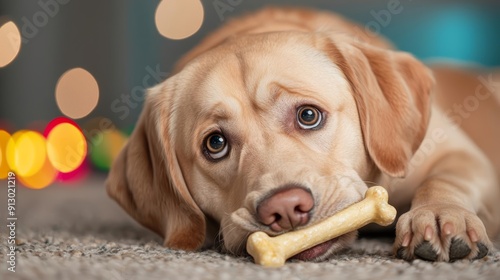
point(274, 251)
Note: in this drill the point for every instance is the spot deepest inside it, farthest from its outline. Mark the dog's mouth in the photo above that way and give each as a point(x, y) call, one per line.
point(316, 252)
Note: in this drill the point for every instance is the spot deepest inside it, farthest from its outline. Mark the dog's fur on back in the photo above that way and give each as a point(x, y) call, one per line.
point(382, 124)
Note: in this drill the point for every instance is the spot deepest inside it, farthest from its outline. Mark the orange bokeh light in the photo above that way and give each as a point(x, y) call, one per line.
point(179, 19)
point(10, 43)
point(77, 93)
point(4, 165)
point(44, 177)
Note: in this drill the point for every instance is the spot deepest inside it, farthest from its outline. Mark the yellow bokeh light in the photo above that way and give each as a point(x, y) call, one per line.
point(66, 147)
point(77, 93)
point(42, 178)
point(177, 19)
point(11, 150)
point(29, 153)
point(10, 43)
point(4, 166)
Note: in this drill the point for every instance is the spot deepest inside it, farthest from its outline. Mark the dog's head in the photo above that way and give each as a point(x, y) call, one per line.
point(270, 132)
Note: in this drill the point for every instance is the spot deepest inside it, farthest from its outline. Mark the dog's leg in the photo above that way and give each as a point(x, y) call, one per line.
point(452, 212)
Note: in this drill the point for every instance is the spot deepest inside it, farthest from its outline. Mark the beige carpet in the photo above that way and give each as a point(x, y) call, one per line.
point(77, 232)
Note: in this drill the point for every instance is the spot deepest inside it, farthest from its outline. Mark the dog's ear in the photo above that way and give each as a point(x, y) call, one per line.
point(392, 93)
point(147, 182)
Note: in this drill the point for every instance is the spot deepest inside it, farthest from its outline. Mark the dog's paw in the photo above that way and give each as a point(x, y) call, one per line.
point(441, 233)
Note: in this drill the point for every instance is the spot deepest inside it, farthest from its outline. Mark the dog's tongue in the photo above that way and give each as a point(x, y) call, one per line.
point(316, 251)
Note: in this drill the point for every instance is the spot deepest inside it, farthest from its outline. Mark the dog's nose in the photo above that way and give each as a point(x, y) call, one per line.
point(286, 209)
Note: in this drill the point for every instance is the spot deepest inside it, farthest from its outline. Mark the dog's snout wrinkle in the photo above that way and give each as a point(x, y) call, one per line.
point(286, 209)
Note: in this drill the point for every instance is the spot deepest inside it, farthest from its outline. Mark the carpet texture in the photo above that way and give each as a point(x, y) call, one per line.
point(77, 232)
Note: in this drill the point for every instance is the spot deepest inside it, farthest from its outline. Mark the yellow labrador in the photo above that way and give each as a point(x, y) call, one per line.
point(284, 117)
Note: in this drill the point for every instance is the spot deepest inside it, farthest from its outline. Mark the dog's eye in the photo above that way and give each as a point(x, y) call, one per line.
point(309, 117)
point(216, 146)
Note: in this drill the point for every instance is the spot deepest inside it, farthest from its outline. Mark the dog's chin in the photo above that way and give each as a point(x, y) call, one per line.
point(326, 249)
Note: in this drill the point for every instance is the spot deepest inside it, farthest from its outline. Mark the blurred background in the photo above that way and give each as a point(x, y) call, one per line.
point(73, 72)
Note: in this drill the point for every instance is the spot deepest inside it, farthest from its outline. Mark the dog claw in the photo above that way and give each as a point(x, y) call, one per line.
point(458, 249)
point(400, 253)
point(483, 251)
point(426, 252)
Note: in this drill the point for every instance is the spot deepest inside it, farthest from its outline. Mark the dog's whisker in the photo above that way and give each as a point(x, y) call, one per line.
point(241, 248)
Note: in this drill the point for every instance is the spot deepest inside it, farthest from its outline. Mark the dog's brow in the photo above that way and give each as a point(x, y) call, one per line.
point(277, 89)
point(222, 110)
point(217, 112)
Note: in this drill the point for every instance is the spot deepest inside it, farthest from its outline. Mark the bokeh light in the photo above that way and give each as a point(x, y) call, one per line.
point(66, 147)
point(39, 160)
point(105, 151)
point(10, 43)
point(28, 153)
point(53, 123)
point(77, 93)
point(4, 166)
point(11, 150)
point(179, 19)
point(76, 175)
point(41, 179)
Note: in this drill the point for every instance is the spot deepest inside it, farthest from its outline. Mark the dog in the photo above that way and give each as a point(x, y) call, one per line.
point(285, 116)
